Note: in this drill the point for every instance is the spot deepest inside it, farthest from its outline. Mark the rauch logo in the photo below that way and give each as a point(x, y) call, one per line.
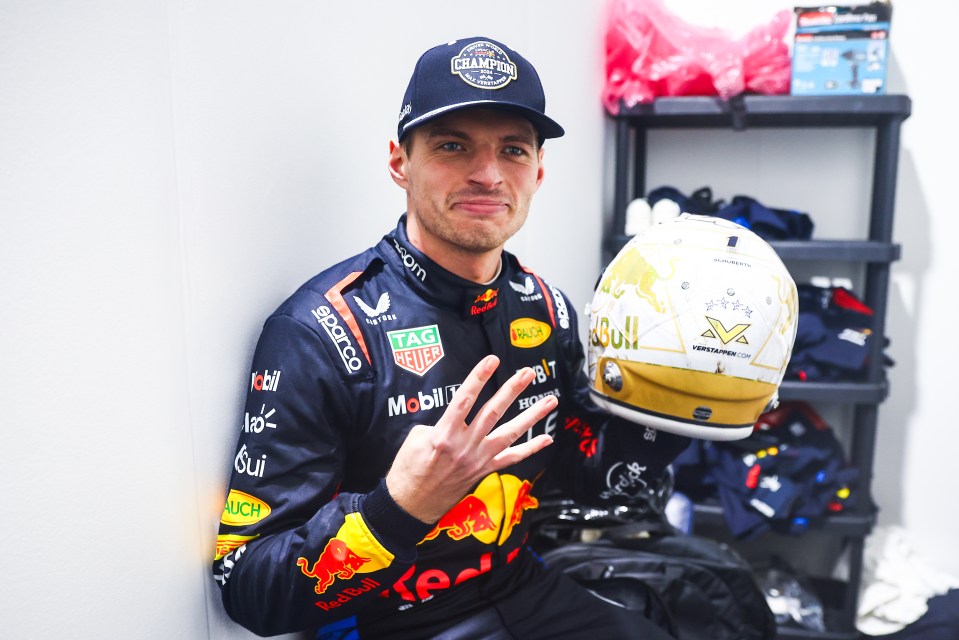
point(527, 333)
point(242, 508)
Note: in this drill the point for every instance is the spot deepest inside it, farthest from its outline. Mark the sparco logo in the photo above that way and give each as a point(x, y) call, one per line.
point(483, 65)
point(339, 337)
point(438, 397)
point(409, 262)
point(562, 313)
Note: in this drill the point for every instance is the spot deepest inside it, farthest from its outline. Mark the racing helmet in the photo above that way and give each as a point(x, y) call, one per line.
point(691, 327)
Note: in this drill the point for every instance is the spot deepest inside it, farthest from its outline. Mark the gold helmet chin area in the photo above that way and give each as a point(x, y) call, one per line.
point(691, 328)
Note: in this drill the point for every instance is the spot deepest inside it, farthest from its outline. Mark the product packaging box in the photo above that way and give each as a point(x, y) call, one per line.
point(841, 50)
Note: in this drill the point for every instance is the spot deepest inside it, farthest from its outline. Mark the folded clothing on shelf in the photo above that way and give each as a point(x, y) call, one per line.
point(791, 471)
point(834, 338)
point(767, 222)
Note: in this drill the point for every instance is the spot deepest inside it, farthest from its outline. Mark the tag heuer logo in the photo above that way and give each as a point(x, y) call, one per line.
point(416, 349)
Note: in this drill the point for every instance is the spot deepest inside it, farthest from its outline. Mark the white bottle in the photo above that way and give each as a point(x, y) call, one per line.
point(665, 210)
point(639, 217)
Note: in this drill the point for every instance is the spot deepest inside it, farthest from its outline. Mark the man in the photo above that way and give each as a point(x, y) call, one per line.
point(377, 491)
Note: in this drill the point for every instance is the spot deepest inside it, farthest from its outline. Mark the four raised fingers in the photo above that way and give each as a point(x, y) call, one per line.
point(507, 433)
point(465, 397)
point(488, 440)
point(496, 407)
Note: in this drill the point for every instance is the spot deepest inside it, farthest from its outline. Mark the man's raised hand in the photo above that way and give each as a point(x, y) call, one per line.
point(436, 466)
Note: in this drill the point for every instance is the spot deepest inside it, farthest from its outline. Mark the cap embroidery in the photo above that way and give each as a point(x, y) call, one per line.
point(483, 65)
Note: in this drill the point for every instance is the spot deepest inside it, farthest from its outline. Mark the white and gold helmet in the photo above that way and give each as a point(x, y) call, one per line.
point(691, 328)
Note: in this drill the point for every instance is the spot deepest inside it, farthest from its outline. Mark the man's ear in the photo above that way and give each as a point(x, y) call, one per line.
point(397, 163)
point(541, 172)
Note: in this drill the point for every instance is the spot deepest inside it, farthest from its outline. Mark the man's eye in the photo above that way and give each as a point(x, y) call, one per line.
point(451, 146)
point(516, 151)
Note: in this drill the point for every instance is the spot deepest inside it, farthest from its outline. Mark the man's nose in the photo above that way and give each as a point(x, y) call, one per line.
point(485, 170)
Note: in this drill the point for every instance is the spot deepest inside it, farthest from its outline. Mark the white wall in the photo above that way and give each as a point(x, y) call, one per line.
point(171, 170)
point(916, 468)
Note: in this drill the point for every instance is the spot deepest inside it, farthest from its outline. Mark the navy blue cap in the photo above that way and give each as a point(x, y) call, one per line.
point(474, 73)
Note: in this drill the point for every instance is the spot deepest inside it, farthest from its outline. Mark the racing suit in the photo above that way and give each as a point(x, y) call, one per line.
point(343, 370)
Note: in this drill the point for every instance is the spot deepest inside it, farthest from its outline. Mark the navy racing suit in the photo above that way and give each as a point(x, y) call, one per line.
point(342, 371)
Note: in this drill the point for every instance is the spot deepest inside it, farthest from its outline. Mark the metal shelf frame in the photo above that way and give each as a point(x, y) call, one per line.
point(885, 114)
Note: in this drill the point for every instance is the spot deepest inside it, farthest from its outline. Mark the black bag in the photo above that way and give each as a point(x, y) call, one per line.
point(693, 587)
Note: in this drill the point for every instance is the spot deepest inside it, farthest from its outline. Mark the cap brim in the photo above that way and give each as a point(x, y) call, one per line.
point(546, 127)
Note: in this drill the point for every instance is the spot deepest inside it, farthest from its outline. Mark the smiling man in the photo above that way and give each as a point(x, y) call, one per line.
point(469, 186)
point(424, 395)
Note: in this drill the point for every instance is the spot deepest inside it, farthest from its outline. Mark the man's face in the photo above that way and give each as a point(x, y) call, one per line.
point(469, 178)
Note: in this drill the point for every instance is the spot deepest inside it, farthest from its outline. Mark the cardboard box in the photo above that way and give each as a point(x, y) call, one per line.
point(841, 50)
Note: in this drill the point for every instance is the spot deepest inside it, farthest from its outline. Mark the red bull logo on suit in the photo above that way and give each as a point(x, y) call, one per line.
point(352, 550)
point(490, 512)
point(336, 560)
point(487, 515)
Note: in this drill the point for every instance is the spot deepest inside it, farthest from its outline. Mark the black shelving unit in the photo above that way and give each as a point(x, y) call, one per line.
point(875, 252)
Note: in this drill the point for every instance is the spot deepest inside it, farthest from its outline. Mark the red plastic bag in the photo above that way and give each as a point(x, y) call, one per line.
point(651, 52)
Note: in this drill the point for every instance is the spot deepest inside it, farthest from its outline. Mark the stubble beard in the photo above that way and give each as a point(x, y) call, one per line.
point(477, 237)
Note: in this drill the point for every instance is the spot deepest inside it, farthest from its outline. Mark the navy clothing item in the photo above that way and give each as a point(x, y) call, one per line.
point(940, 622)
point(790, 471)
point(766, 222)
point(699, 202)
point(834, 337)
point(342, 371)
